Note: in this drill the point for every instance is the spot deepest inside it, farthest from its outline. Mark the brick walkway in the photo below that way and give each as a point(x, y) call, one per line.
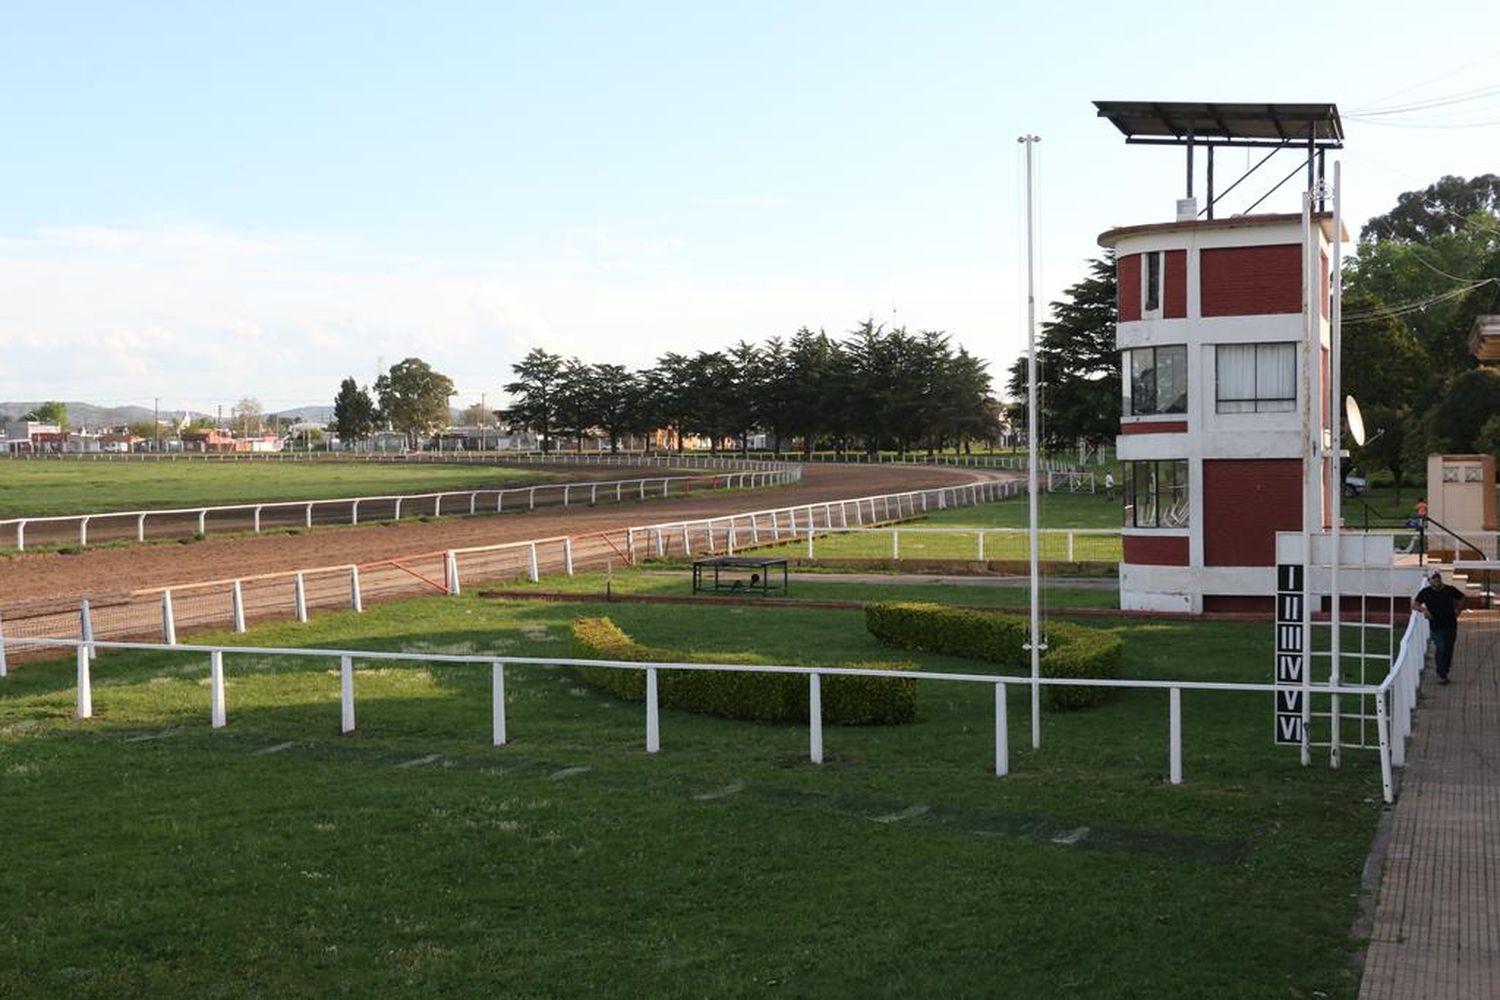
point(1436, 931)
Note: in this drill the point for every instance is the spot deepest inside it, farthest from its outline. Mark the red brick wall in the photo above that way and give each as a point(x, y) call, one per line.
point(1245, 502)
point(1251, 281)
point(1174, 295)
point(1155, 427)
point(1128, 273)
point(1156, 550)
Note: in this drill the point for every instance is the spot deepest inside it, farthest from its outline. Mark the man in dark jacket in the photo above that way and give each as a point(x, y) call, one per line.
point(1440, 604)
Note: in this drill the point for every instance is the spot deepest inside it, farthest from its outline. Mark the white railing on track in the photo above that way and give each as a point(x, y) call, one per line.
point(1393, 721)
point(232, 602)
point(333, 510)
point(1063, 541)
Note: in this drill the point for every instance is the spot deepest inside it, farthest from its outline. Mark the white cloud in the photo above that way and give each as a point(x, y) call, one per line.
point(202, 316)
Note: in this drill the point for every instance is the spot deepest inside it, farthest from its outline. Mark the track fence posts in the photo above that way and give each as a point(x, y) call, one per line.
point(3, 669)
point(203, 521)
point(815, 718)
point(497, 701)
point(83, 706)
point(216, 688)
point(86, 628)
point(83, 531)
point(1002, 733)
point(630, 546)
point(140, 527)
point(257, 520)
point(981, 544)
point(568, 556)
point(354, 513)
point(168, 619)
point(307, 520)
point(450, 565)
point(809, 540)
point(356, 599)
point(1174, 725)
point(895, 543)
point(533, 572)
point(237, 606)
point(1383, 730)
point(653, 714)
point(346, 693)
point(299, 597)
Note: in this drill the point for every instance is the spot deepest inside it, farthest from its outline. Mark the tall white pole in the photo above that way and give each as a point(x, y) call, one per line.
point(1312, 469)
point(1033, 443)
point(1336, 460)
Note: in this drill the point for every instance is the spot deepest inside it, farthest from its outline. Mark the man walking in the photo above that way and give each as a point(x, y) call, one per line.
point(1440, 604)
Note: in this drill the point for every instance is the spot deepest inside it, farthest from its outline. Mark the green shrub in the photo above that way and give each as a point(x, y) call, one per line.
point(847, 701)
point(1072, 650)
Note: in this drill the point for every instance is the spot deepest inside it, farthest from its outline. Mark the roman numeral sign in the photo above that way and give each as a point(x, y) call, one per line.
point(1290, 661)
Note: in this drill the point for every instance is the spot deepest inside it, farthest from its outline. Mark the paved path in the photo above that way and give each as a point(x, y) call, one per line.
point(1436, 932)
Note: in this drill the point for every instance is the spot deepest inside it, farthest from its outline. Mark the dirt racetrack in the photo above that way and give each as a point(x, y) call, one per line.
point(102, 572)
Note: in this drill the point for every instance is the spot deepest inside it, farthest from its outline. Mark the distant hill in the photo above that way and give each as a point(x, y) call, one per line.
point(88, 415)
point(310, 414)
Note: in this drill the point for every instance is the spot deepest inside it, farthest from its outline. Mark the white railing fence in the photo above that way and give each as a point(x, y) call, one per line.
point(978, 544)
point(185, 521)
point(1400, 683)
point(232, 602)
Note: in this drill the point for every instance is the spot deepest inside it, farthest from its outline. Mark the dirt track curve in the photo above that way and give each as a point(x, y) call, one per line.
point(104, 571)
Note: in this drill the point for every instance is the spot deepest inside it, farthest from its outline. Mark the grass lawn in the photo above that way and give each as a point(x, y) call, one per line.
point(810, 587)
point(1058, 510)
point(39, 489)
point(148, 855)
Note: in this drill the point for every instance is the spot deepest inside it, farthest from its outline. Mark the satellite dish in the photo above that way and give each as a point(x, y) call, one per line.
point(1356, 420)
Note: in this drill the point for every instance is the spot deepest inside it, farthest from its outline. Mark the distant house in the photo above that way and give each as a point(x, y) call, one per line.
point(23, 436)
point(117, 441)
point(209, 439)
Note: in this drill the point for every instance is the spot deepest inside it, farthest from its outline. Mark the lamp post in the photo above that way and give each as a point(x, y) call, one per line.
point(1033, 442)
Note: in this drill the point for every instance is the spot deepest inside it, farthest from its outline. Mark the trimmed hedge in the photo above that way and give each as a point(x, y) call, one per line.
point(847, 701)
point(1072, 650)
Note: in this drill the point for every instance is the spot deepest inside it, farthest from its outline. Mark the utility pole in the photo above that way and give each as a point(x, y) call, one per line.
point(483, 424)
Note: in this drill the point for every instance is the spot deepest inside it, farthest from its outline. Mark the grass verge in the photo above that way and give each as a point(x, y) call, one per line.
point(150, 855)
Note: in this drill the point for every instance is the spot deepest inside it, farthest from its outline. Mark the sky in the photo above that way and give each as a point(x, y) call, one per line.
point(206, 202)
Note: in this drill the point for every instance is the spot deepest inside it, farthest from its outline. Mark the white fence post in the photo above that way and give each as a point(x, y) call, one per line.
point(534, 572)
point(568, 555)
point(140, 528)
point(84, 705)
point(815, 717)
point(809, 541)
point(307, 522)
point(346, 693)
point(1002, 733)
point(257, 520)
point(216, 688)
point(1070, 552)
point(86, 628)
point(237, 606)
point(3, 669)
point(1174, 724)
point(981, 545)
point(653, 716)
point(168, 619)
point(83, 531)
point(356, 599)
point(895, 543)
point(1383, 729)
point(299, 597)
point(497, 701)
point(450, 561)
point(203, 521)
point(630, 546)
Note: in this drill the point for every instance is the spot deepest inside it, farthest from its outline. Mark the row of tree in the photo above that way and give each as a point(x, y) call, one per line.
point(874, 389)
point(1420, 275)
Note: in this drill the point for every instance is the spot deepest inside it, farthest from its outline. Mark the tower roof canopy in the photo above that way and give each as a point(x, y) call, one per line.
point(1185, 123)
